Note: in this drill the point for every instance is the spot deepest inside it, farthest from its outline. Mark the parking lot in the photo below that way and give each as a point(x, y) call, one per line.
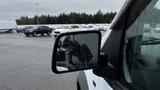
point(25, 64)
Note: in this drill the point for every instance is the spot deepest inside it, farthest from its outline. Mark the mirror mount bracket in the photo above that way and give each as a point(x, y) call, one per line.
point(103, 66)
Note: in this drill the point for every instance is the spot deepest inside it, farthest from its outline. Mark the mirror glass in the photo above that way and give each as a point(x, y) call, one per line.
point(77, 51)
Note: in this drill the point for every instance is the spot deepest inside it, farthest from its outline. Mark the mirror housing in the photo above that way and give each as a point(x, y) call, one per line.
point(76, 51)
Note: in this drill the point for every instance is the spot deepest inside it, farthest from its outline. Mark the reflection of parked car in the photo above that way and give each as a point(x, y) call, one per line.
point(146, 30)
point(37, 30)
point(157, 30)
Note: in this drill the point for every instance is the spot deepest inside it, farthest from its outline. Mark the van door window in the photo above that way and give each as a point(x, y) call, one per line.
point(142, 50)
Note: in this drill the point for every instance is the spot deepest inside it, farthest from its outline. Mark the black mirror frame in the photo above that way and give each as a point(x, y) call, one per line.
point(54, 69)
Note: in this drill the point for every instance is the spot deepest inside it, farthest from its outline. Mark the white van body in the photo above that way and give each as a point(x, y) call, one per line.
point(8, 26)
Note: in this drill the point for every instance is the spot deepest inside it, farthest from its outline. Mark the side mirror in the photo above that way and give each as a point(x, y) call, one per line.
point(75, 51)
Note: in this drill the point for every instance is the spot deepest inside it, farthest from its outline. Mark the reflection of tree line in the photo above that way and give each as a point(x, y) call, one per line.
point(72, 48)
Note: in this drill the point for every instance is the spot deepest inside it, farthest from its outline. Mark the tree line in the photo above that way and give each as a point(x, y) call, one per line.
point(71, 18)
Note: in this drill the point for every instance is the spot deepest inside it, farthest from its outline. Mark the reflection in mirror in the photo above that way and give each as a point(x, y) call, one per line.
point(77, 51)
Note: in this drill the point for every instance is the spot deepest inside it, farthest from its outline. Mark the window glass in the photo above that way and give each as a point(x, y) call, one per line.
point(142, 46)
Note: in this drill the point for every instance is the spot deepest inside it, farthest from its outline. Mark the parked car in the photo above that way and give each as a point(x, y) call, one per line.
point(125, 59)
point(88, 27)
point(34, 30)
point(22, 29)
point(74, 27)
point(61, 29)
point(64, 29)
point(19, 30)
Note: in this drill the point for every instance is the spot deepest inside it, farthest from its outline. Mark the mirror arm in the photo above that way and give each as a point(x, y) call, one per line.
point(102, 65)
point(103, 68)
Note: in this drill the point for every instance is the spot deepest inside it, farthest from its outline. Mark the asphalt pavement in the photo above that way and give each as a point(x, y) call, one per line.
point(25, 64)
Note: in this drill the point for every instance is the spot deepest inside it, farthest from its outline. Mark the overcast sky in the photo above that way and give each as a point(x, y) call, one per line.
point(13, 9)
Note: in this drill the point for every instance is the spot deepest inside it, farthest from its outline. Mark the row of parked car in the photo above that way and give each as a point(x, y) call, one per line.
point(46, 30)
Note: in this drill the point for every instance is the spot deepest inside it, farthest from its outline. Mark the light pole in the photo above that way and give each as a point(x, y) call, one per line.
point(37, 13)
